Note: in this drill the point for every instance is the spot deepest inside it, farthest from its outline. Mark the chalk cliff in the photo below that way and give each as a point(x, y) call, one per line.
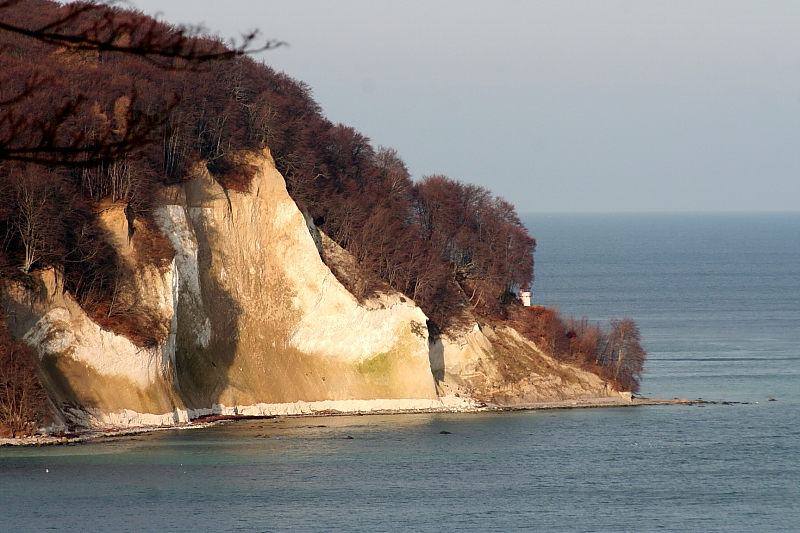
point(497, 365)
point(255, 323)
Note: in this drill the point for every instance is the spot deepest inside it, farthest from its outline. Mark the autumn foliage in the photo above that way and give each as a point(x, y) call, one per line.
point(614, 351)
point(450, 246)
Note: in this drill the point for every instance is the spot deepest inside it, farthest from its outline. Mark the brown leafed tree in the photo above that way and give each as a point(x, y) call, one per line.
point(480, 236)
point(23, 401)
point(613, 351)
point(88, 32)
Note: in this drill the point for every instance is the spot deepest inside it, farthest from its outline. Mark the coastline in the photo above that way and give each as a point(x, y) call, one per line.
point(88, 435)
point(594, 403)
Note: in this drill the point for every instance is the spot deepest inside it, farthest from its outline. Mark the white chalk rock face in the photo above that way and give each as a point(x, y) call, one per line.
point(253, 321)
point(262, 320)
point(95, 377)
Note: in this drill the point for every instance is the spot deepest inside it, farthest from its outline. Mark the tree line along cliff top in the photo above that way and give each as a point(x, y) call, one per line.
point(443, 243)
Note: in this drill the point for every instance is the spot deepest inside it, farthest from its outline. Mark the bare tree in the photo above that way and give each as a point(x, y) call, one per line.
point(23, 402)
point(97, 26)
point(34, 220)
point(623, 354)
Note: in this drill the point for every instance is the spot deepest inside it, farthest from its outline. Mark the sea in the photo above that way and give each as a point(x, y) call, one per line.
point(717, 300)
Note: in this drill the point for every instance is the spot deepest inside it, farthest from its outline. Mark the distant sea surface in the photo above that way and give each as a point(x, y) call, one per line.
point(717, 298)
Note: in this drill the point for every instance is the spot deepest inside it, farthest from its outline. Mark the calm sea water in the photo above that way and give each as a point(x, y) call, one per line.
point(717, 298)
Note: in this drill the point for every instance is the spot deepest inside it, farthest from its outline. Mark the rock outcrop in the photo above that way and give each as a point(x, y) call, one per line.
point(496, 365)
point(248, 319)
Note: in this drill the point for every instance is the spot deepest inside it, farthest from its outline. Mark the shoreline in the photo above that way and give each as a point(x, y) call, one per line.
point(88, 435)
point(595, 403)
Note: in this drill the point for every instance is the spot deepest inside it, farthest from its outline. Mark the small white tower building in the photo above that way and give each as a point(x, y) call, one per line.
point(525, 295)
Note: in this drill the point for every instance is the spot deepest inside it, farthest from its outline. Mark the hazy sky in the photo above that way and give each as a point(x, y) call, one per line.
point(555, 105)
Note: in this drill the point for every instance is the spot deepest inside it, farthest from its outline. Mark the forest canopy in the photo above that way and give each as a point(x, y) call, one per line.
point(447, 245)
